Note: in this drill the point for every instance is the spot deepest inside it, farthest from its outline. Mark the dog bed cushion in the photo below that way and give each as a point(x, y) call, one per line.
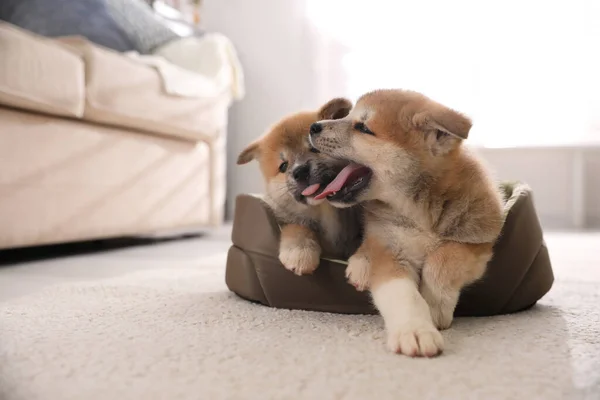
point(518, 275)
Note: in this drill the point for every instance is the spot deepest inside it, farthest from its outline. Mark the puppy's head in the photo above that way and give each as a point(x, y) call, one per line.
point(389, 135)
point(290, 166)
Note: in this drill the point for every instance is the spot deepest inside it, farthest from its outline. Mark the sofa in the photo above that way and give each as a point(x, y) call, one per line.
point(95, 143)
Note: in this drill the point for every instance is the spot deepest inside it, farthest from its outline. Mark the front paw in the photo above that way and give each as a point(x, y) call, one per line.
point(301, 260)
point(425, 341)
point(441, 305)
point(357, 272)
point(442, 316)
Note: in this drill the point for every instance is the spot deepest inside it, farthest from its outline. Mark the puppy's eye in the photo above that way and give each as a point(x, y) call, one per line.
point(283, 167)
point(361, 127)
point(440, 134)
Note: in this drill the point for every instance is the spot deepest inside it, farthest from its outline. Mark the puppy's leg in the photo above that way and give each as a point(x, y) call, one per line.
point(406, 315)
point(359, 268)
point(299, 249)
point(447, 270)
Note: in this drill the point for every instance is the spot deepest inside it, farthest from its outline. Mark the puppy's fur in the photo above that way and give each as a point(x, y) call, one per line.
point(289, 166)
point(432, 212)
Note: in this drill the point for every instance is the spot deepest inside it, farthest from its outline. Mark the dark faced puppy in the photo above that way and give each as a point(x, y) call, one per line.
point(295, 174)
point(432, 211)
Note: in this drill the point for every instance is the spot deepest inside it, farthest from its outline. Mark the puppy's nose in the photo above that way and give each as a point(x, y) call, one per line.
point(316, 128)
point(301, 173)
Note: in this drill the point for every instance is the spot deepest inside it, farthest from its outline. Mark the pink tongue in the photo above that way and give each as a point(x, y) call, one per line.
point(338, 183)
point(311, 189)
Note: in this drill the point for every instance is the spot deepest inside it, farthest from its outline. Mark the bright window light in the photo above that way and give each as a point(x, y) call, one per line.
point(526, 71)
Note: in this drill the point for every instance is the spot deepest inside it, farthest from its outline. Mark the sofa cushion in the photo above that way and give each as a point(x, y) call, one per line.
point(123, 91)
point(38, 74)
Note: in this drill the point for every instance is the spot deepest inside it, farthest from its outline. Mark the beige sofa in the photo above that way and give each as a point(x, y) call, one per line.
point(91, 145)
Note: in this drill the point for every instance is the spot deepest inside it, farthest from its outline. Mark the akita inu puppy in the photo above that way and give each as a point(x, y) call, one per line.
point(295, 174)
point(432, 211)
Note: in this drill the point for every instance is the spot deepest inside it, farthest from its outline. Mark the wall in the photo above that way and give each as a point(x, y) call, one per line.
point(565, 181)
point(279, 73)
point(592, 182)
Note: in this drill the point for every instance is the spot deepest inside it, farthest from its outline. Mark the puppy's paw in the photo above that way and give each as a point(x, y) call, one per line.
point(441, 305)
point(357, 272)
point(442, 316)
point(301, 260)
point(421, 342)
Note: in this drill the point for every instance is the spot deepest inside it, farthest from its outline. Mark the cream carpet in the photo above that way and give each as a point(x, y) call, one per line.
point(176, 333)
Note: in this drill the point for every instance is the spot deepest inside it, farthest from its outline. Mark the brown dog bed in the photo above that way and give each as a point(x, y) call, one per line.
point(519, 274)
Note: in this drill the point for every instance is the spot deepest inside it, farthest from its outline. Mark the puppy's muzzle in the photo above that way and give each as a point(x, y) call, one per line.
point(315, 130)
point(301, 173)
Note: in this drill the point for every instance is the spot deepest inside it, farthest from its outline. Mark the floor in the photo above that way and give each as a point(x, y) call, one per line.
point(152, 319)
point(27, 271)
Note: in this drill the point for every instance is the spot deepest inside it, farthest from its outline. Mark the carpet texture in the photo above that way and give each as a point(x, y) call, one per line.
point(178, 334)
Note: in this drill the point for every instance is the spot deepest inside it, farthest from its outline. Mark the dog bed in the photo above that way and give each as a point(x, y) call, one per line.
point(519, 274)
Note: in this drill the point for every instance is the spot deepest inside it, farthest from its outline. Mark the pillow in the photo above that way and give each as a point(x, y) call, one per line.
point(52, 18)
point(121, 25)
point(142, 26)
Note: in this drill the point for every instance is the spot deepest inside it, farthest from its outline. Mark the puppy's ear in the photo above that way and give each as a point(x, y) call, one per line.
point(249, 153)
point(335, 109)
point(443, 127)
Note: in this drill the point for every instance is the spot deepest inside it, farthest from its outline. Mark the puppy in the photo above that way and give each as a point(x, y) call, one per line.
point(295, 173)
point(432, 212)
